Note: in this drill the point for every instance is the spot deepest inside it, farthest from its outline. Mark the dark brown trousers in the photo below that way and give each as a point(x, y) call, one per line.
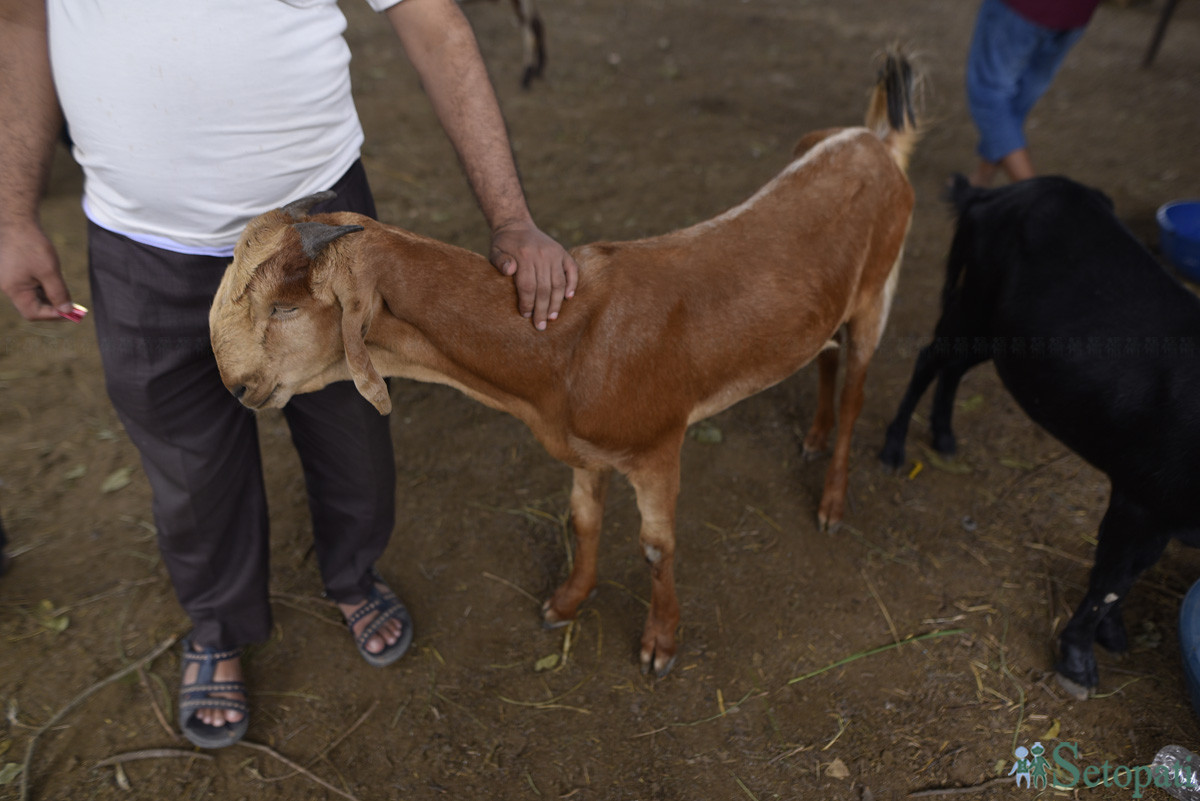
point(199, 446)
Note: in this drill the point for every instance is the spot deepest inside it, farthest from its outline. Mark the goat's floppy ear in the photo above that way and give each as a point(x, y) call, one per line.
point(370, 384)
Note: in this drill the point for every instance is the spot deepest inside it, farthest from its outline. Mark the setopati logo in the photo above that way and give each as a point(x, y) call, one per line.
point(1059, 768)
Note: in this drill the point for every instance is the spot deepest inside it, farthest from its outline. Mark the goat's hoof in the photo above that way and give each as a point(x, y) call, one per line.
point(811, 453)
point(1077, 671)
point(552, 619)
point(662, 664)
point(1073, 688)
point(892, 456)
point(945, 443)
point(828, 522)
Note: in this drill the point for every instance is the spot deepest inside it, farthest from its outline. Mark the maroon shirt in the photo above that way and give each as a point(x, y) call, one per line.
point(1059, 15)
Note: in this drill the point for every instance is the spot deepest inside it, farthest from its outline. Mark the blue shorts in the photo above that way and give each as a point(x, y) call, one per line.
point(1011, 64)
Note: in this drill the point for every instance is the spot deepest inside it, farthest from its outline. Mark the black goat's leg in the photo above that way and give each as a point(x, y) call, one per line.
point(1110, 631)
point(926, 369)
point(942, 413)
point(934, 361)
point(1129, 541)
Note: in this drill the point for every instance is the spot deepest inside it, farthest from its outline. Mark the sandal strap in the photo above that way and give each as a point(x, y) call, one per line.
point(389, 609)
point(209, 655)
point(236, 704)
point(373, 602)
point(207, 659)
point(218, 687)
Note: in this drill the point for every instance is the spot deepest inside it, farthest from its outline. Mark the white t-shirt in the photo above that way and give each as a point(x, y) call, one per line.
point(191, 117)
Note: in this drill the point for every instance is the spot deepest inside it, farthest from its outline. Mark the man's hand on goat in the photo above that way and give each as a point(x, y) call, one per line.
point(544, 272)
point(30, 275)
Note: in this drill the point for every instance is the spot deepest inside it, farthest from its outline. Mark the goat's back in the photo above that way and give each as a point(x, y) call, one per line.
point(746, 298)
point(1093, 338)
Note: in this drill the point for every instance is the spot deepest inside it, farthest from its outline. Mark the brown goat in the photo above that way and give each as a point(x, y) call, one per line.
point(661, 333)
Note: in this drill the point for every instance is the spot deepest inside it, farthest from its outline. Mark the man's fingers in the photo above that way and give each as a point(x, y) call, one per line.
point(55, 290)
point(558, 290)
point(526, 282)
point(32, 305)
point(541, 304)
point(572, 272)
point(503, 262)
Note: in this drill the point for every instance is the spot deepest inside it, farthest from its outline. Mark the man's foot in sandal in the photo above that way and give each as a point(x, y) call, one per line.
point(380, 623)
point(213, 711)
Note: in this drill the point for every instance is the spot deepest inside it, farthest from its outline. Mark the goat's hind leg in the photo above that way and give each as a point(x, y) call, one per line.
point(942, 413)
point(861, 339)
point(936, 360)
point(927, 367)
point(656, 482)
point(587, 511)
point(817, 440)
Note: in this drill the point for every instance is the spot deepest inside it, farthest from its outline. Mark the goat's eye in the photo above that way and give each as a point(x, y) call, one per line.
point(284, 311)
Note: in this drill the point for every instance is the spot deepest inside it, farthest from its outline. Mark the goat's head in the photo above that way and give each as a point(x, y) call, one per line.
point(291, 315)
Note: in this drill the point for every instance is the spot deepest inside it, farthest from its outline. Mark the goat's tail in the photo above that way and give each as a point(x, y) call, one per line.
point(893, 110)
point(959, 194)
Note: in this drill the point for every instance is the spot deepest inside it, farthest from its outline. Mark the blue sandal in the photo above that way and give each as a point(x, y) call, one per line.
point(389, 607)
point(199, 695)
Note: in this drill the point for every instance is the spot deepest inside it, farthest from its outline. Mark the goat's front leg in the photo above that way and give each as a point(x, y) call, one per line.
point(657, 486)
point(587, 512)
point(1130, 540)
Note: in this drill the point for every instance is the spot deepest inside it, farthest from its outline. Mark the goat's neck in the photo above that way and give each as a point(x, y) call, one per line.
point(449, 317)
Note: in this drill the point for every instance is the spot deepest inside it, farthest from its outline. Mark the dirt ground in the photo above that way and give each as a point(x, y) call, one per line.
point(652, 115)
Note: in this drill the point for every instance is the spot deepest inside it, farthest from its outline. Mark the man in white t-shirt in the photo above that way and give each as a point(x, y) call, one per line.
point(188, 119)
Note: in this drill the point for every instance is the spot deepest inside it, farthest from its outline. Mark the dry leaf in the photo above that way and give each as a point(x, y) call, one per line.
point(707, 433)
point(946, 465)
point(1016, 464)
point(837, 770)
point(47, 619)
point(117, 479)
point(9, 772)
point(970, 404)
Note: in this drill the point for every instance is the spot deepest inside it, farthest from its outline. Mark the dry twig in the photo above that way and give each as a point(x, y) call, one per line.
point(158, 713)
point(297, 768)
point(974, 788)
point(362, 719)
point(153, 753)
point(79, 699)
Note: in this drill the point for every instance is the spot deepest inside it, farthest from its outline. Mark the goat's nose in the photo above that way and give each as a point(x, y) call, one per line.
point(238, 391)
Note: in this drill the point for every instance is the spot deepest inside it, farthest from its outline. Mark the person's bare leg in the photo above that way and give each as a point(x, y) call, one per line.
point(985, 173)
point(1018, 165)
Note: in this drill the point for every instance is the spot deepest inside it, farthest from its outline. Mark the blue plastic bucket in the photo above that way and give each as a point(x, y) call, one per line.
point(1179, 235)
point(1189, 642)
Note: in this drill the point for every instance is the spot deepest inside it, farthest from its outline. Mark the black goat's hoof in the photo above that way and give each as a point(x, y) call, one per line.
point(892, 455)
point(1077, 671)
point(945, 443)
point(1074, 688)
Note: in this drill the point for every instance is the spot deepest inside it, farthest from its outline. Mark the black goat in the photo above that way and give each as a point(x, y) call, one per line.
point(1101, 347)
